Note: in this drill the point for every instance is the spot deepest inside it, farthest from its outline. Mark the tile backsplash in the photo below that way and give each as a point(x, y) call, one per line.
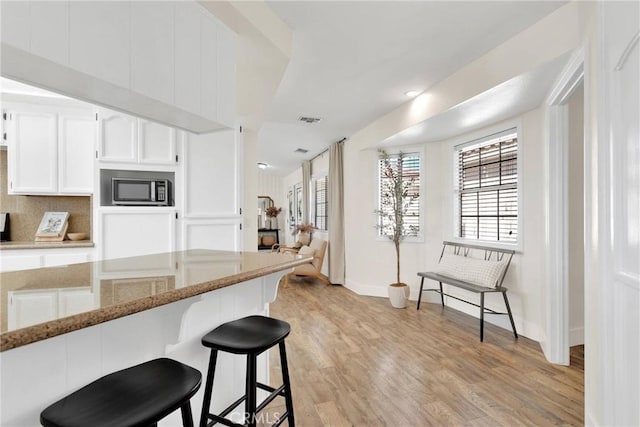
point(26, 211)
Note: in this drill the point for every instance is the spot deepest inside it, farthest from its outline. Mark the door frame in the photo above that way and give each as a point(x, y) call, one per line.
point(556, 286)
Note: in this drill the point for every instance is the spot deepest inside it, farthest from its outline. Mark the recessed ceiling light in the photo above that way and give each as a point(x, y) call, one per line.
point(262, 165)
point(412, 93)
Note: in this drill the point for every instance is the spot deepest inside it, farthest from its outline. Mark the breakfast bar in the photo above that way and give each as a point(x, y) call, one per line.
point(64, 327)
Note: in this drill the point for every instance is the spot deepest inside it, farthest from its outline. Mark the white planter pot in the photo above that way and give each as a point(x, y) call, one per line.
point(399, 295)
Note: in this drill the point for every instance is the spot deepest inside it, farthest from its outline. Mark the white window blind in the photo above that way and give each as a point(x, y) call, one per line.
point(321, 203)
point(410, 169)
point(487, 199)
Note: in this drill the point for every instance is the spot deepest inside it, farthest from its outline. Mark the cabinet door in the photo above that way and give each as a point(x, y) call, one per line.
point(32, 155)
point(215, 235)
point(209, 68)
point(226, 76)
point(117, 137)
point(15, 23)
point(99, 39)
point(76, 300)
point(187, 51)
point(156, 143)
point(28, 308)
point(76, 145)
point(211, 175)
point(126, 232)
point(152, 53)
point(50, 30)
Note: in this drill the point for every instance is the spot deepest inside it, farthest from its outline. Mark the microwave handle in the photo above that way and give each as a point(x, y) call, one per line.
point(153, 191)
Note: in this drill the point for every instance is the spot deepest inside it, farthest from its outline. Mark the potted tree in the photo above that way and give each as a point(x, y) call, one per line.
point(398, 192)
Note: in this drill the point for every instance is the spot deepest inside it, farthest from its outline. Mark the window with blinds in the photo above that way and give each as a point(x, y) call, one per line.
point(487, 199)
point(321, 203)
point(410, 169)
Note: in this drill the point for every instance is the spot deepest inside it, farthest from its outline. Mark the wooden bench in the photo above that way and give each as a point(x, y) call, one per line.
point(458, 267)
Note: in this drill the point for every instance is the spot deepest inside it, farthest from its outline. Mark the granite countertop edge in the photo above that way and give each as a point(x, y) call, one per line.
point(20, 337)
point(29, 244)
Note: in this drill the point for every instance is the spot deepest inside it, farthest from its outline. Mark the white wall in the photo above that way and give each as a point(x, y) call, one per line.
point(558, 33)
point(525, 274)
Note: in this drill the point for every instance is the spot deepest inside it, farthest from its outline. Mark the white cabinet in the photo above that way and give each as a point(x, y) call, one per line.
point(126, 139)
point(209, 68)
point(99, 39)
point(156, 143)
point(117, 136)
point(27, 308)
point(25, 259)
point(152, 51)
point(33, 151)
point(187, 56)
point(226, 76)
point(128, 231)
point(15, 24)
point(76, 146)
point(50, 150)
point(211, 174)
point(211, 191)
point(50, 30)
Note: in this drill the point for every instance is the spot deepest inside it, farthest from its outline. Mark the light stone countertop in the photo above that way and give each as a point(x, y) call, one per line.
point(120, 287)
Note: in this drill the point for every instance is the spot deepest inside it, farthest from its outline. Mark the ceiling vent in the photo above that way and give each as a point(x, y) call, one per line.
point(301, 151)
point(309, 119)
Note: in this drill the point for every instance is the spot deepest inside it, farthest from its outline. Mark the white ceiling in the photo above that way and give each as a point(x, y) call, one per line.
point(352, 62)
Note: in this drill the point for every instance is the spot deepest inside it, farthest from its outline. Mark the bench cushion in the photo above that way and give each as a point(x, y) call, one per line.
point(473, 270)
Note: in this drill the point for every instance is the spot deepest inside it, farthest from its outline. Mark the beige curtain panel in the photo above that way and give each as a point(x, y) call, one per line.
point(336, 214)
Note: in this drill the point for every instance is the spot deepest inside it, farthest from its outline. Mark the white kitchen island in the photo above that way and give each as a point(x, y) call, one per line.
point(64, 327)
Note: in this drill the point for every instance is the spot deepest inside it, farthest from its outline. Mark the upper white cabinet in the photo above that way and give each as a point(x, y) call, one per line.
point(117, 136)
point(50, 30)
point(226, 76)
point(33, 151)
point(15, 23)
point(76, 146)
point(187, 55)
point(152, 51)
point(100, 39)
point(173, 62)
point(126, 139)
point(50, 150)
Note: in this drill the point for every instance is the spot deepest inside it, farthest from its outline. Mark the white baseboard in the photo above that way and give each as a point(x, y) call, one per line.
point(524, 328)
point(576, 336)
point(589, 421)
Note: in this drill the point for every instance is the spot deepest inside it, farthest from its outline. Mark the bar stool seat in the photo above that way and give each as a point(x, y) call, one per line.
point(249, 336)
point(137, 396)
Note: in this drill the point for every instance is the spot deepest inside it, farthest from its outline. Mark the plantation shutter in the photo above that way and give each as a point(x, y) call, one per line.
point(410, 173)
point(488, 188)
point(321, 203)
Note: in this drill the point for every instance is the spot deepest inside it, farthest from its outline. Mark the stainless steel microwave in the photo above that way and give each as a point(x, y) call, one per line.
point(140, 192)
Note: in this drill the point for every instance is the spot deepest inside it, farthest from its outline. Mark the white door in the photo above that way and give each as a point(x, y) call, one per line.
point(612, 232)
point(156, 143)
point(117, 137)
point(76, 145)
point(32, 154)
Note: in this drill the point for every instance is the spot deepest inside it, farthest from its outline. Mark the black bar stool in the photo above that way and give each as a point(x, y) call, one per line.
point(138, 396)
point(251, 336)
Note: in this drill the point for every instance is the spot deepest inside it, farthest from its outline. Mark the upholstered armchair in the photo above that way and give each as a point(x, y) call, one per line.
point(318, 249)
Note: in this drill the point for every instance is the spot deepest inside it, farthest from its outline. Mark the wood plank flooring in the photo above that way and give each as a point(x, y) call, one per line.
point(356, 361)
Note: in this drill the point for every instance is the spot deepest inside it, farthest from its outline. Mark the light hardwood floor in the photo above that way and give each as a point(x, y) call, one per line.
point(356, 361)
